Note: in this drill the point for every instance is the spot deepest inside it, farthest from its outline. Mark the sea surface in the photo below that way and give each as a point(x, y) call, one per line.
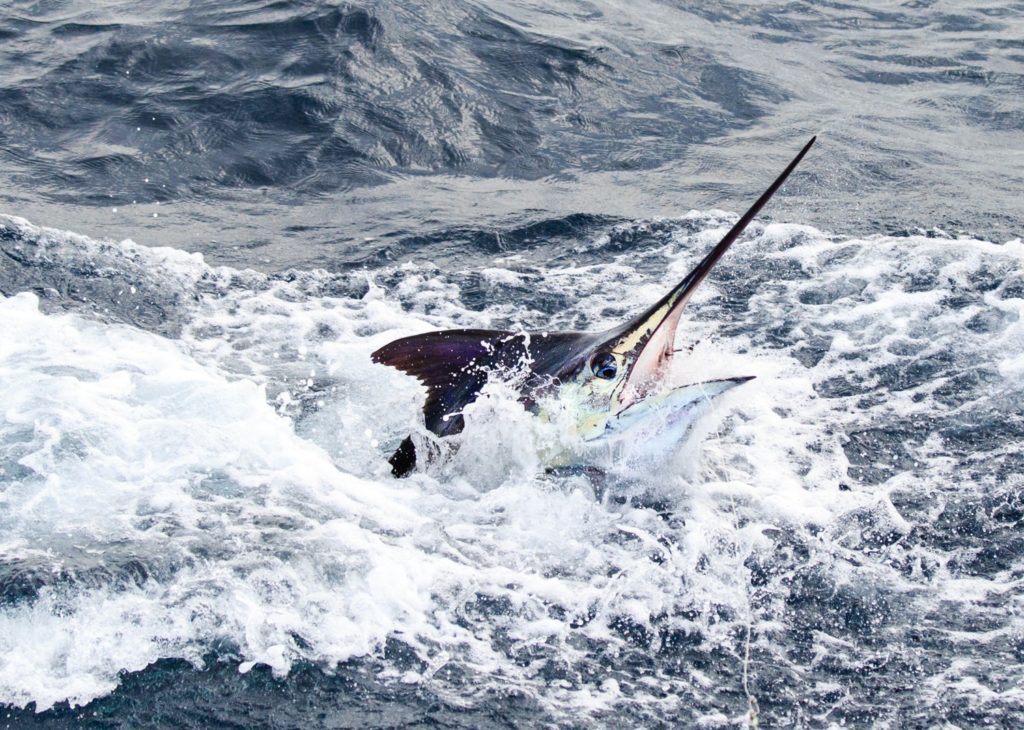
point(212, 212)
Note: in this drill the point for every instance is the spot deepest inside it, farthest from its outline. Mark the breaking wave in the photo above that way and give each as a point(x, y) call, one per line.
point(192, 467)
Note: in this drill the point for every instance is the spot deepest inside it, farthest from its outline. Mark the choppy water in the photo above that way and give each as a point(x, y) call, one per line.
point(198, 524)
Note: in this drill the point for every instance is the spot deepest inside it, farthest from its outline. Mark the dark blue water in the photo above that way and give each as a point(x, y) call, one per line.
point(277, 134)
point(198, 528)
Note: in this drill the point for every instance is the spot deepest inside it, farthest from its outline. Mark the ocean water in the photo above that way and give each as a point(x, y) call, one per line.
point(212, 213)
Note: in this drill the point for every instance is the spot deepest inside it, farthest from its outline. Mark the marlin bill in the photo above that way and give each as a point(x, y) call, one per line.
point(603, 385)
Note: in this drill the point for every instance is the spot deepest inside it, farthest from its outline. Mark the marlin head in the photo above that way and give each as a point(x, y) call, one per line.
point(621, 378)
point(608, 382)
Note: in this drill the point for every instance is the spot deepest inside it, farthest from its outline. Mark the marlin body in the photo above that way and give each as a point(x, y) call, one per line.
point(605, 385)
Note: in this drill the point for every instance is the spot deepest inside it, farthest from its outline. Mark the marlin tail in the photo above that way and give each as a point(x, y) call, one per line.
point(610, 383)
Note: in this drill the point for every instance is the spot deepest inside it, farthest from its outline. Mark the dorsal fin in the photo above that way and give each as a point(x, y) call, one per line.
point(452, 364)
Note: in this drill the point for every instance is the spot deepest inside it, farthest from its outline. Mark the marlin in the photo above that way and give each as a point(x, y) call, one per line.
point(605, 385)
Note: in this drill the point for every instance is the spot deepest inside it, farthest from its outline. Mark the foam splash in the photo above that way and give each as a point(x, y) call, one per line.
point(227, 487)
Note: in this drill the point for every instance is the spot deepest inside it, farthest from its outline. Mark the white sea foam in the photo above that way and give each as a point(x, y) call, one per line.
point(228, 487)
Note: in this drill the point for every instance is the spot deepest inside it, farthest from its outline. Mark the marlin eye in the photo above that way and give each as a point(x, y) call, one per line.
point(603, 365)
